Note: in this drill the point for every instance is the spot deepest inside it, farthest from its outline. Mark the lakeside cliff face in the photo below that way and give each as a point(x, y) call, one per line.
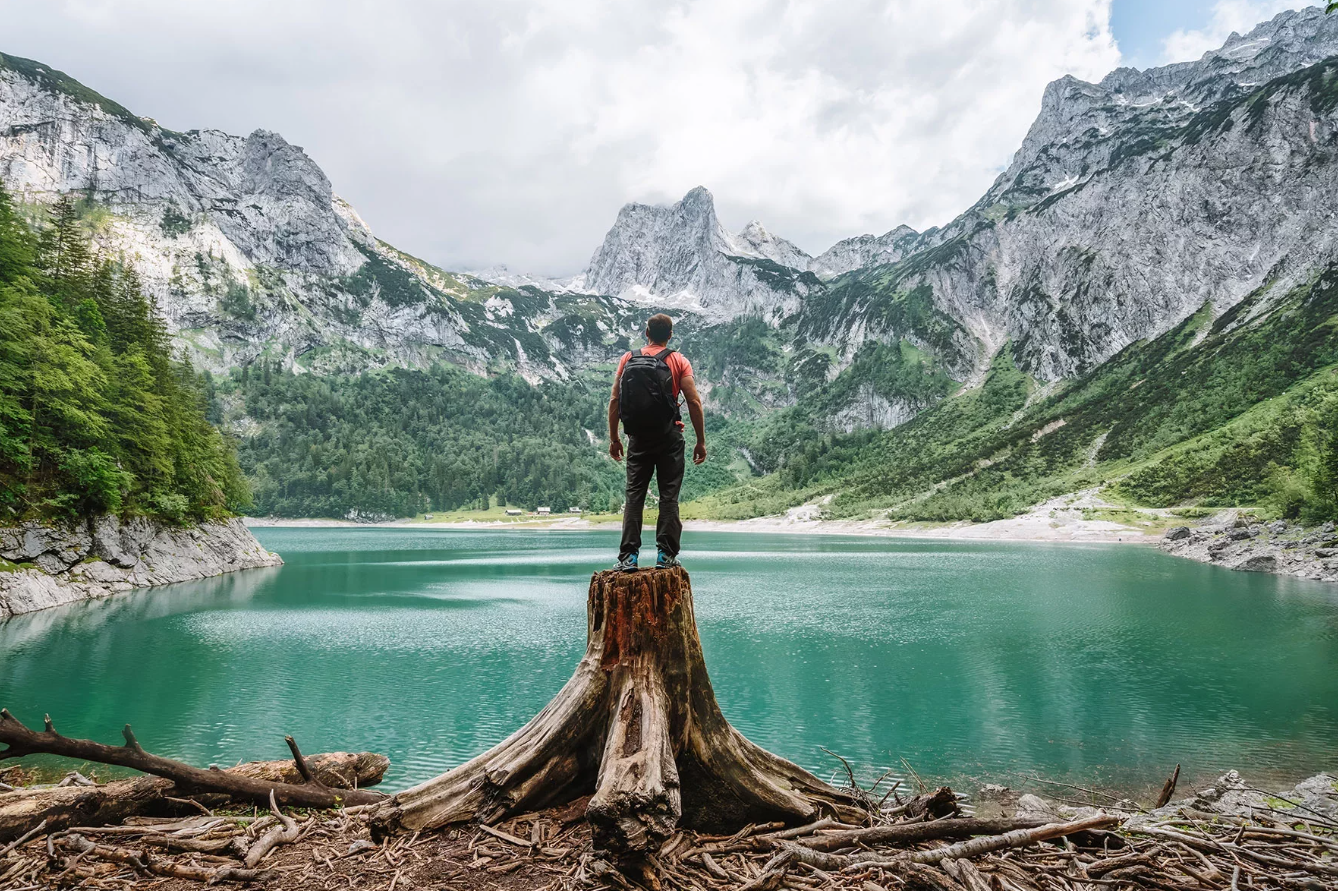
point(44, 566)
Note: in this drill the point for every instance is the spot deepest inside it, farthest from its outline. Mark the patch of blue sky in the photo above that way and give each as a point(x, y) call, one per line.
point(1142, 26)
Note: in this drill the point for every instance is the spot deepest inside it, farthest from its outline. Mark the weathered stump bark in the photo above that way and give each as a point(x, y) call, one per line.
point(638, 726)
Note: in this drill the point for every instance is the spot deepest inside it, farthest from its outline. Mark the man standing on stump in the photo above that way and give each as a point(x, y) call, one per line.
point(645, 398)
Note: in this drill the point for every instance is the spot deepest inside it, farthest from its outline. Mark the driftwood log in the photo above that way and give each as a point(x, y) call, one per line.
point(638, 726)
point(100, 805)
point(310, 792)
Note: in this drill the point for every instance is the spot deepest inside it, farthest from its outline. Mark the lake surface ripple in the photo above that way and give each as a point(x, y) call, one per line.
point(1103, 664)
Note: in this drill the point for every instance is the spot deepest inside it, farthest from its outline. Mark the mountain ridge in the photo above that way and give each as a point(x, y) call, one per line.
point(248, 250)
point(1036, 262)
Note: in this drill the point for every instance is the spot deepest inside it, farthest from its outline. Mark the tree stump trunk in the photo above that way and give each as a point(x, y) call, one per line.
point(638, 727)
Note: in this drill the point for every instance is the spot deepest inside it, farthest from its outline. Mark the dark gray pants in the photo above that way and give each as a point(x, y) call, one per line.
point(663, 457)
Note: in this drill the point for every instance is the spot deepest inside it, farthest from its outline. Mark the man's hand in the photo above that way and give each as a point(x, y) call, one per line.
point(616, 449)
point(699, 452)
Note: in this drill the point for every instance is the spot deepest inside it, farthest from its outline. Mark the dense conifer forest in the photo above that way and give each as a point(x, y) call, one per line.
point(96, 413)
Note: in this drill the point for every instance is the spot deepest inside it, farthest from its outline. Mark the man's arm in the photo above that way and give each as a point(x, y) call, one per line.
point(615, 444)
point(694, 401)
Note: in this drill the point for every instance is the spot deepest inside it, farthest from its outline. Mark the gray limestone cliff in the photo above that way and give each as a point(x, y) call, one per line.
point(43, 566)
point(680, 256)
point(247, 249)
point(865, 250)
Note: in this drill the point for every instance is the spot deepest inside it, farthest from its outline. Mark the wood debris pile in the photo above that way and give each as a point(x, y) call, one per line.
point(926, 844)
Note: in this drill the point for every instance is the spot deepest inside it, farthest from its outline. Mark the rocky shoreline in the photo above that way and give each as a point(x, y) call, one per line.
point(1243, 543)
point(44, 566)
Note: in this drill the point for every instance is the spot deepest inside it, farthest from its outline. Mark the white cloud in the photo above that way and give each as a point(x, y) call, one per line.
point(1227, 16)
point(474, 132)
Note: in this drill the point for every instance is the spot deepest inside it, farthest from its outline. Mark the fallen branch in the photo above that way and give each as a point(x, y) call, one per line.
point(312, 793)
point(985, 844)
point(69, 807)
point(1168, 790)
point(972, 848)
point(1214, 846)
point(940, 803)
point(965, 872)
point(22, 838)
point(145, 863)
point(909, 833)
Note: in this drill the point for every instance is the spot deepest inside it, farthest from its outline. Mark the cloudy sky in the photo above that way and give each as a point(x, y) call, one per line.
point(482, 132)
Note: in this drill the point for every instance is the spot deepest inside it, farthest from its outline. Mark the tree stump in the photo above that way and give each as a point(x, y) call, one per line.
point(637, 726)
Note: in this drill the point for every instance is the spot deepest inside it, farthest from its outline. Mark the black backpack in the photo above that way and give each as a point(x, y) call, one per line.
point(646, 401)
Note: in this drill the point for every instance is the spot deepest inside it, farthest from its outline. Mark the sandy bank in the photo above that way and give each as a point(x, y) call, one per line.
point(1064, 519)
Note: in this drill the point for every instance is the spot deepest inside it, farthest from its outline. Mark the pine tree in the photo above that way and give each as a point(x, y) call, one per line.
point(63, 255)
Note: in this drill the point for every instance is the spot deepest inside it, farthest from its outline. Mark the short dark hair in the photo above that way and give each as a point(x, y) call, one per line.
point(659, 328)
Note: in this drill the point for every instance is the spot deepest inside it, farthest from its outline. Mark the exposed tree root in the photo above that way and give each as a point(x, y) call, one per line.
point(553, 851)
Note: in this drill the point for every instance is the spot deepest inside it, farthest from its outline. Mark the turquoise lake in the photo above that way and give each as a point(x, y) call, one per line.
point(1092, 664)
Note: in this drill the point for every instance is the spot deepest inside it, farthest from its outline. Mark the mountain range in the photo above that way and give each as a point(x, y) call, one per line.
point(1193, 197)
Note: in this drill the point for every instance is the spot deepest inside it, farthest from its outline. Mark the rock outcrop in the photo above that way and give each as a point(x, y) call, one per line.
point(1230, 796)
point(1131, 205)
point(43, 566)
point(679, 255)
point(865, 250)
point(1250, 546)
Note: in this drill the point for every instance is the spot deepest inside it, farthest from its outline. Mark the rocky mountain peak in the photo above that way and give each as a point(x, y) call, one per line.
point(755, 240)
point(865, 250)
point(679, 255)
point(249, 252)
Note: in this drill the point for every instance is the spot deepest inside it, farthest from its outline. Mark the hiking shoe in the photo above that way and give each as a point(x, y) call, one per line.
point(666, 561)
point(627, 564)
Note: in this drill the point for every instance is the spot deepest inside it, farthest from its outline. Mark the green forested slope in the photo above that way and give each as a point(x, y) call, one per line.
point(95, 413)
point(1238, 410)
point(1241, 410)
point(403, 441)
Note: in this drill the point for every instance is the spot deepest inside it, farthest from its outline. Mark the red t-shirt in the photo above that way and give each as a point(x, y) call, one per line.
point(678, 364)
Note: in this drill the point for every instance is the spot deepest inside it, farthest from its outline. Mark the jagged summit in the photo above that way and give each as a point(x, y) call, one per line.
point(864, 250)
point(757, 241)
point(1082, 123)
point(679, 255)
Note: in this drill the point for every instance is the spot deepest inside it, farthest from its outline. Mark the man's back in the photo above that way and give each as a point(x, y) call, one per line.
point(655, 437)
